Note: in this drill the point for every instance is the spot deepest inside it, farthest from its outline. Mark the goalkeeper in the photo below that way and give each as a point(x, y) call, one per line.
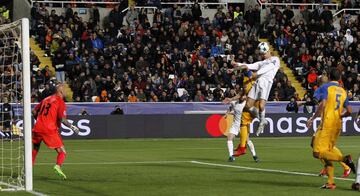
point(49, 115)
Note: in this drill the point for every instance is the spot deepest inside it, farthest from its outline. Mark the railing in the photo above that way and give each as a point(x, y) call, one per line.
point(63, 3)
point(192, 3)
point(346, 9)
point(295, 5)
point(140, 7)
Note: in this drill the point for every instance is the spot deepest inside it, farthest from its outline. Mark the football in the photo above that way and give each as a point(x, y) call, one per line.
point(264, 47)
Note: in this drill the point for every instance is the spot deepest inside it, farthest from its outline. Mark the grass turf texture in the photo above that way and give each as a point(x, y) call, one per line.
point(98, 167)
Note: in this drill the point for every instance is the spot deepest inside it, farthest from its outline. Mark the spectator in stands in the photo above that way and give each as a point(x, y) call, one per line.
point(132, 16)
point(83, 112)
point(94, 14)
point(117, 111)
point(196, 12)
point(309, 106)
point(132, 97)
point(292, 107)
point(103, 97)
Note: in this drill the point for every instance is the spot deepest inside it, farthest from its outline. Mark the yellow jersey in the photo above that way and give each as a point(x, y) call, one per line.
point(248, 81)
point(335, 98)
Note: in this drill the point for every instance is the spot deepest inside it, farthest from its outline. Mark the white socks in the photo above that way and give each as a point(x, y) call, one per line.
point(357, 180)
point(254, 112)
point(230, 146)
point(251, 147)
point(262, 116)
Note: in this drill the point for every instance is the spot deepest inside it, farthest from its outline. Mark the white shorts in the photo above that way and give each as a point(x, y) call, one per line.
point(260, 90)
point(235, 129)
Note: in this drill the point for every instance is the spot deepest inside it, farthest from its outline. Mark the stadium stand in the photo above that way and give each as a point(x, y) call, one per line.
point(177, 55)
point(312, 44)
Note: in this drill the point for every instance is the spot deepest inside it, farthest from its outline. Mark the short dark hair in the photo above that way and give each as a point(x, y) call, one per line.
point(334, 74)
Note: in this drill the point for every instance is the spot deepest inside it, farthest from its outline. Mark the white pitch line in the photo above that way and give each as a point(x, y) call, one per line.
point(37, 193)
point(118, 163)
point(17, 188)
point(264, 170)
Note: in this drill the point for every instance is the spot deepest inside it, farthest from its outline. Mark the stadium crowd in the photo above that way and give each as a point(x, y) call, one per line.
point(140, 61)
point(311, 44)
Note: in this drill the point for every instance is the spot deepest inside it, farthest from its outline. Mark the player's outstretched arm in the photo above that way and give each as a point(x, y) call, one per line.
point(71, 126)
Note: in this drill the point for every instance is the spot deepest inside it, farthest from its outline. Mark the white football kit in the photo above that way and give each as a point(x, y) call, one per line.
point(238, 109)
point(266, 71)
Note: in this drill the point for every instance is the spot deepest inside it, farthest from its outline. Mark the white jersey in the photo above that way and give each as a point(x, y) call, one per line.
point(266, 69)
point(238, 109)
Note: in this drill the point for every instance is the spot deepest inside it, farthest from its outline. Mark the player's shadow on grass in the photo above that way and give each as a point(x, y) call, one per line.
point(69, 184)
point(280, 183)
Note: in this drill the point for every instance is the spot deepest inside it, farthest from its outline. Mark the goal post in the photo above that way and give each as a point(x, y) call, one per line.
point(25, 48)
point(15, 107)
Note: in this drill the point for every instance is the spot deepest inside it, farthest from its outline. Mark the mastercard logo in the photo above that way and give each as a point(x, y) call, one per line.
point(218, 125)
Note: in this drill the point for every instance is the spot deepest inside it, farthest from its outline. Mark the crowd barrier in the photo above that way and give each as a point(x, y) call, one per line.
point(187, 126)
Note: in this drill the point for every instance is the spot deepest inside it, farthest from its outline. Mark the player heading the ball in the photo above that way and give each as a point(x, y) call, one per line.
point(265, 73)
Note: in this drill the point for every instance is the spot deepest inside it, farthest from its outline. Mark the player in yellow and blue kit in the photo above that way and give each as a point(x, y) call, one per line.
point(332, 99)
point(323, 172)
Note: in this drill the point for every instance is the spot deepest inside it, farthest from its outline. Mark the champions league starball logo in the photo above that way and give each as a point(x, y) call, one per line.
point(218, 125)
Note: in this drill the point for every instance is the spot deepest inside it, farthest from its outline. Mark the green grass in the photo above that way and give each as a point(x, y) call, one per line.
point(114, 176)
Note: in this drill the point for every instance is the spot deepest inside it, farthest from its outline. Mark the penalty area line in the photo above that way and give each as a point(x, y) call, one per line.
point(118, 163)
point(264, 170)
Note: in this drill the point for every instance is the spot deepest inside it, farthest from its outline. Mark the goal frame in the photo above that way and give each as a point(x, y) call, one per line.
point(25, 55)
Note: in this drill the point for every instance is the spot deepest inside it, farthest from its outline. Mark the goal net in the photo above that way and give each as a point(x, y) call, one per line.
point(15, 115)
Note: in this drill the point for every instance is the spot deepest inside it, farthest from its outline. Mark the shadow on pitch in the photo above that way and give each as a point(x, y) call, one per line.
point(271, 182)
point(69, 184)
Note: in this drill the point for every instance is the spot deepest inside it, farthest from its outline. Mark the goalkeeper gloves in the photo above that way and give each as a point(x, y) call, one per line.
point(75, 129)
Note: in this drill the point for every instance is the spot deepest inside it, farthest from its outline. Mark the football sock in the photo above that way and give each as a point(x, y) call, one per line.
point(262, 116)
point(251, 146)
point(330, 172)
point(254, 112)
point(243, 135)
point(60, 158)
point(357, 180)
point(230, 146)
point(34, 153)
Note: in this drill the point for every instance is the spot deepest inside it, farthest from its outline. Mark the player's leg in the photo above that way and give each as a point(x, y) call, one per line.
point(54, 141)
point(356, 184)
point(230, 146)
point(35, 151)
point(249, 107)
point(7, 129)
point(250, 101)
point(242, 145)
point(246, 120)
point(346, 168)
point(36, 140)
point(251, 146)
point(262, 119)
point(330, 172)
point(61, 155)
point(59, 161)
point(233, 131)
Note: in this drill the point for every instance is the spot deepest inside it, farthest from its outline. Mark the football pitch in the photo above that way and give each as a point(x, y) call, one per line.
point(188, 167)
